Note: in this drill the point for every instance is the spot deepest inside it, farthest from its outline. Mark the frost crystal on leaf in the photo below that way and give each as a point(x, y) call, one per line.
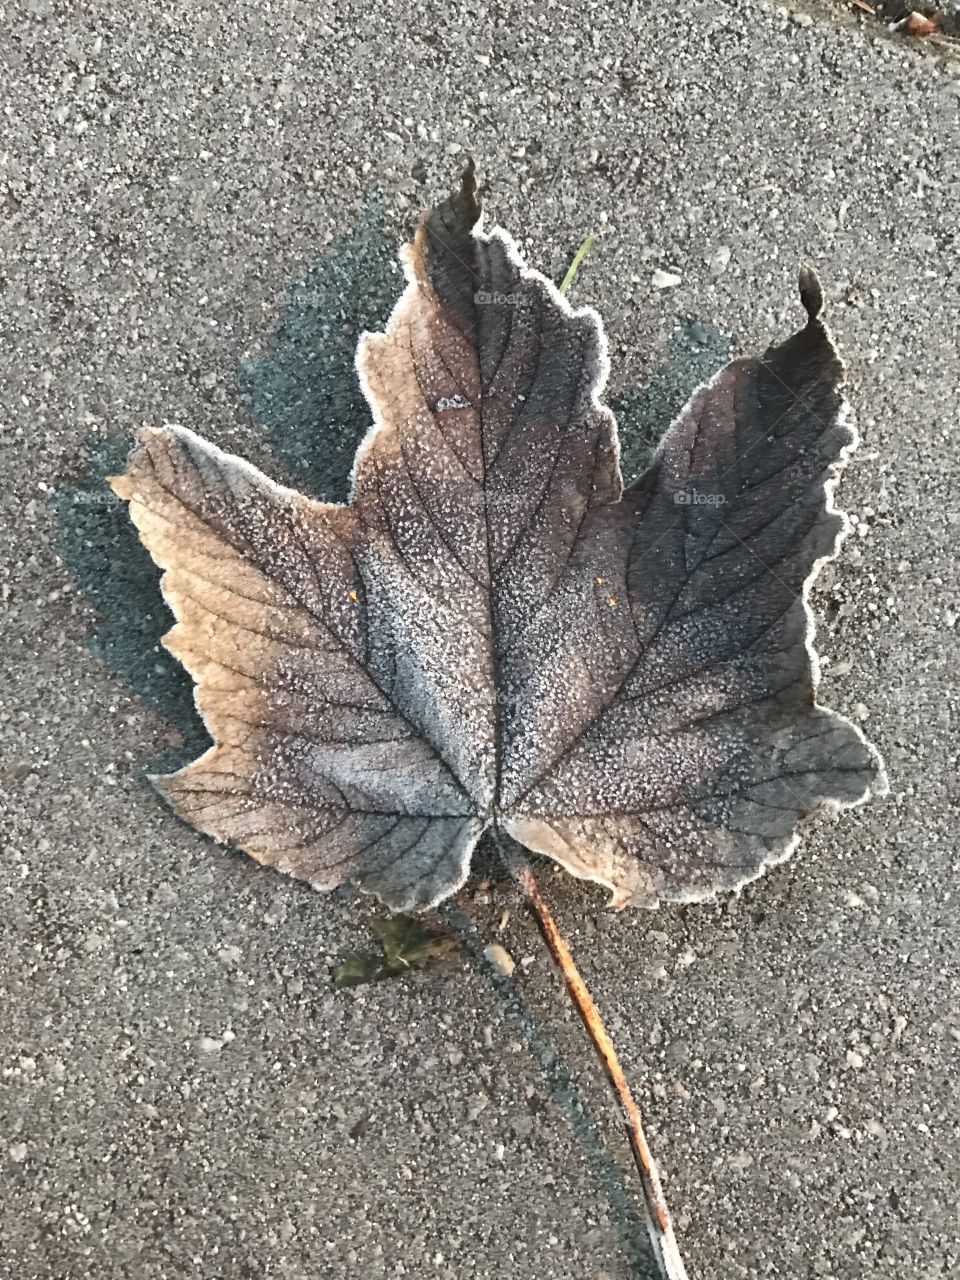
point(494, 631)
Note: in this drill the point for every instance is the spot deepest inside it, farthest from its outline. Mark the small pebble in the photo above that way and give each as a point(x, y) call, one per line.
point(501, 959)
point(665, 279)
point(277, 913)
point(719, 261)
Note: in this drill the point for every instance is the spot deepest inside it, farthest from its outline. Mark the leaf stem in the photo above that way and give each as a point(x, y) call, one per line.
point(659, 1222)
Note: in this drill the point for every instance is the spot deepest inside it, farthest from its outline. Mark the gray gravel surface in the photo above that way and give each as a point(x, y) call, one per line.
point(182, 1093)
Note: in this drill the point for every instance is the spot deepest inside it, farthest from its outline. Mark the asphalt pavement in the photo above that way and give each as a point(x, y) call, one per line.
point(182, 1091)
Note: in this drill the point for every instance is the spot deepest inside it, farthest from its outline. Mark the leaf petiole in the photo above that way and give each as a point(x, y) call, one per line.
point(659, 1222)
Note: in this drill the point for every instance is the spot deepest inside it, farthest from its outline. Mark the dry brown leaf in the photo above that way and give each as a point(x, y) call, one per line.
point(495, 633)
point(915, 24)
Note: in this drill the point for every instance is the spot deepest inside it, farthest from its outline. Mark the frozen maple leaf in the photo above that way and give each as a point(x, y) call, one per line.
point(494, 633)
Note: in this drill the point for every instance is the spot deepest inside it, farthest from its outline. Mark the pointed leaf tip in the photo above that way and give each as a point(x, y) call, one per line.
point(811, 292)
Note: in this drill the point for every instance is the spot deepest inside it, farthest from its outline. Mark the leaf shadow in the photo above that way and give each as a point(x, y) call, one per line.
point(696, 352)
point(565, 1095)
point(303, 393)
point(106, 559)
